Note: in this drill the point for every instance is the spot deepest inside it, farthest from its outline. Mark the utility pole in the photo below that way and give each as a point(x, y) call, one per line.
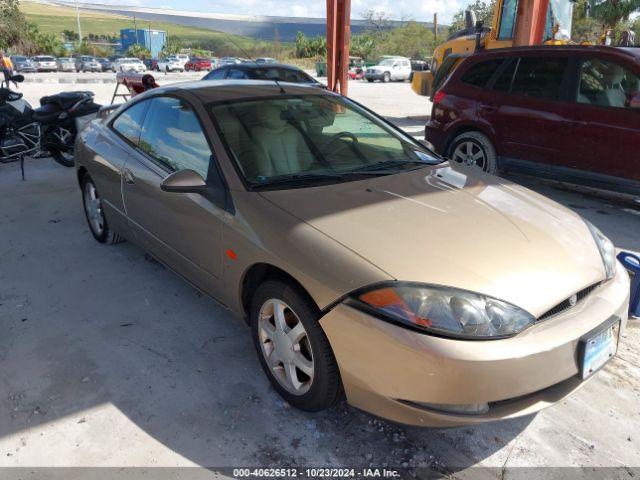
point(435, 26)
point(79, 28)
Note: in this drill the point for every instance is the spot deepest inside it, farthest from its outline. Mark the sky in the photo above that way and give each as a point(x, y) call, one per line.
point(422, 10)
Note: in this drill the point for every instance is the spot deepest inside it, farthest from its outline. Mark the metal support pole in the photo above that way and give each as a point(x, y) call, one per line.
point(531, 21)
point(79, 28)
point(338, 39)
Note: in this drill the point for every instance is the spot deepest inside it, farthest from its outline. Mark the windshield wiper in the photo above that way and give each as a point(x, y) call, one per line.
point(382, 168)
point(297, 178)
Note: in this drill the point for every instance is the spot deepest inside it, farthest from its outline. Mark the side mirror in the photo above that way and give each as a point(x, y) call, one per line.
point(635, 101)
point(184, 181)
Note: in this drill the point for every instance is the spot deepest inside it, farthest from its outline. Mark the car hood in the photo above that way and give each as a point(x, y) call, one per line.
point(451, 225)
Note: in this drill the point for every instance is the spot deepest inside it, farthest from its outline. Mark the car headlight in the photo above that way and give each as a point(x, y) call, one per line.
point(445, 311)
point(606, 248)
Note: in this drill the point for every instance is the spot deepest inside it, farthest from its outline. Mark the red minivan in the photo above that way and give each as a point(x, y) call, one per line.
point(568, 113)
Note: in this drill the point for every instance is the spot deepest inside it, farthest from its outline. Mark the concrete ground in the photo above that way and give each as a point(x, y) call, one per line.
point(109, 359)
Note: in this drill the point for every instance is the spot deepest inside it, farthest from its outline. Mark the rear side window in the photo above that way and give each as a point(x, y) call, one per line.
point(129, 123)
point(480, 73)
point(218, 74)
point(540, 77)
point(505, 78)
point(237, 74)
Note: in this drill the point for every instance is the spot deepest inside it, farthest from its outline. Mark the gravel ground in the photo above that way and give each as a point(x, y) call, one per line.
point(108, 359)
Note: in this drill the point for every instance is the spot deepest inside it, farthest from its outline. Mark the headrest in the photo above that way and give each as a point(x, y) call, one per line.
point(614, 74)
point(271, 117)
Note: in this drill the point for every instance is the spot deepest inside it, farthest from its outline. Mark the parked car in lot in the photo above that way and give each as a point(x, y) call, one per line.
point(182, 58)
point(198, 64)
point(107, 65)
point(66, 64)
point(418, 65)
point(230, 61)
point(22, 64)
point(262, 60)
point(567, 113)
point(44, 63)
point(362, 261)
point(87, 63)
point(170, 64)
point(129, 65)
point(254, 71)
point(389, 69)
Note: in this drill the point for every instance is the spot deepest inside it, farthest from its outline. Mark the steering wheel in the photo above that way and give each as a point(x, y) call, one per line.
point(340, 135)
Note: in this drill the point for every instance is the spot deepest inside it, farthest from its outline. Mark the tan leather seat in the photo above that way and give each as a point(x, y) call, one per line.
point(278, 147)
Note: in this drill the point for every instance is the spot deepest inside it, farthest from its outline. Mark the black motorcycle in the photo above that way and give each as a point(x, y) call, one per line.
point(48, 130)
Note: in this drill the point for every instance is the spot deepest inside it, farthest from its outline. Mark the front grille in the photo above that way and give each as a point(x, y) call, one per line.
point(565, 305)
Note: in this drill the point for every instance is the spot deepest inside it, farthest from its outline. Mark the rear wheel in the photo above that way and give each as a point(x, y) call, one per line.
point(474, 149)
point(293, 350)
point(94, 213)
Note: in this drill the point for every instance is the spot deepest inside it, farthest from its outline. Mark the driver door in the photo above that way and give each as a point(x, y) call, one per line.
point(184, 230)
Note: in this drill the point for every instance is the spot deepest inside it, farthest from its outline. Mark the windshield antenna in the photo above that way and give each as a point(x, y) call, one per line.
point(279, 86)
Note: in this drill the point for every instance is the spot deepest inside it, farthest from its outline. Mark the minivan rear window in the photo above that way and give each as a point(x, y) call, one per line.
point(480, 74)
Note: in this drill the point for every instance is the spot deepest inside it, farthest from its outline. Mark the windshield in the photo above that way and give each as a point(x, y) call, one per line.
point(300, 140)
point(20, 59)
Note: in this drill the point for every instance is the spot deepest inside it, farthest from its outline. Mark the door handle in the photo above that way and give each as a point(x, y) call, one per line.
point(128, 177)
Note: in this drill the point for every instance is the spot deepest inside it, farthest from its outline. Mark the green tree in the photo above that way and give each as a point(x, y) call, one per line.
point(172, 46)
point(483, 9)
point(412, 40)
point(613, 12)
point(362, 45)
point(138, 51)
point(12, 24)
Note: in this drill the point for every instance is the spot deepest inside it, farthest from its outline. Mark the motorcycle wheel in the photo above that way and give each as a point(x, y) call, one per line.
point(66, 159)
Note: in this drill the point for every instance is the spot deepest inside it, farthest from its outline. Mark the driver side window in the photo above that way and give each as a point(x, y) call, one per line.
point(172, 135)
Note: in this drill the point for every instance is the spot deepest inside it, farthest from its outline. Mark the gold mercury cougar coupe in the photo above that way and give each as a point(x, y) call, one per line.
point(426, 292)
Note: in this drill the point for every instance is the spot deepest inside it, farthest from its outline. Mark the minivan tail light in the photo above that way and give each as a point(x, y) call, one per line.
point(439, 96)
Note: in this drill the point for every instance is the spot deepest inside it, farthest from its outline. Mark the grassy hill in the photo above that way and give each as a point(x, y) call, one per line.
point(54, 19)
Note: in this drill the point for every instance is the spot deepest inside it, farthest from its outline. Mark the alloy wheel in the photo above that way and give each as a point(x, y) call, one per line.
point(470, 153)
point(93, 208)
point(285, 346)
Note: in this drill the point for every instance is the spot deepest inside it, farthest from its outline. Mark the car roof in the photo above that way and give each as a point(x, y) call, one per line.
point(633, 52)
point(224, 90)
point(251, 65)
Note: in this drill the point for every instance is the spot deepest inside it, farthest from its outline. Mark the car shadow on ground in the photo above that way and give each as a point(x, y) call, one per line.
point(88, 325)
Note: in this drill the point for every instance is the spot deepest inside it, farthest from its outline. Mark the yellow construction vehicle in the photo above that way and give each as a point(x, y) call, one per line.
point(514, 23)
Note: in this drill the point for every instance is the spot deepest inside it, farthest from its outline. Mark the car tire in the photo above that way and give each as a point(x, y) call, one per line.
point(94, 213)
point(386, 78)
point(321, 386)
point(474, 149)
point(370, 80)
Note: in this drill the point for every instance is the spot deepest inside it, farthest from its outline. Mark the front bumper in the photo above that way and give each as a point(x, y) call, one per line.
point(373, 75)
point(391, 371)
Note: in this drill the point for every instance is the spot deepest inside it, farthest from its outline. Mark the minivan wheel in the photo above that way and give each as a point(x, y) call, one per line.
point(474, 149)
point(292, 348)
point(94, 213)
point(386, 78)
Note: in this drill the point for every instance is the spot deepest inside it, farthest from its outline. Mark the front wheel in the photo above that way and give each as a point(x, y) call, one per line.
point(474, 149)
point(386, 78)
point(293, 350)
